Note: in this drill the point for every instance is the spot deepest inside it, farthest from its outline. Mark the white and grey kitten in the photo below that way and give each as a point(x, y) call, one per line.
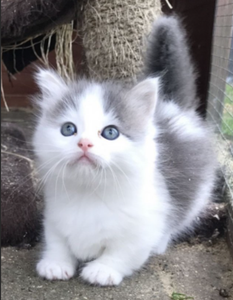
point(125, 170)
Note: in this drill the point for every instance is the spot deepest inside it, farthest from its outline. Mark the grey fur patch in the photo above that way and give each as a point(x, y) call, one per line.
point(131, 114)
point(168, 57)
point(61, 106)
point(70, 99)
point(189, 164)
point(186, 165)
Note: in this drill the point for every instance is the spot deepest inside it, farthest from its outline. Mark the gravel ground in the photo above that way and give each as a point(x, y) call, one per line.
point(203, 271)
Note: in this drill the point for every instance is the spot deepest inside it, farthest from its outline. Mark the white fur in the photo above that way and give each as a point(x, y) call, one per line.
point(185, 122)
point(114, 214)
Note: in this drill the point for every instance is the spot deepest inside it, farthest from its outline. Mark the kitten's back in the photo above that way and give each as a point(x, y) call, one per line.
point(187, 162)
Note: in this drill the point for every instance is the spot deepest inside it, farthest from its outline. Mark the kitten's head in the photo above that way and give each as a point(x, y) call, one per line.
point(86, 126)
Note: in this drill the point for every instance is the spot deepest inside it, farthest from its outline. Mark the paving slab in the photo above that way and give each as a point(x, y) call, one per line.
point(201, 270)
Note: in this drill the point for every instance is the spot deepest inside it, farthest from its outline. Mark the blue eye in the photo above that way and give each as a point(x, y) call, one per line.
point(110, 133)
point(68, 129)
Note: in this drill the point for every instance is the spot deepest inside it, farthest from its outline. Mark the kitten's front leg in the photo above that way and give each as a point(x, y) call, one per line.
point(115, 263)
point(57, 263)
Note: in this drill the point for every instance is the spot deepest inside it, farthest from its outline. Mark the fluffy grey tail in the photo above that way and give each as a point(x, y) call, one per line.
point(168, 57)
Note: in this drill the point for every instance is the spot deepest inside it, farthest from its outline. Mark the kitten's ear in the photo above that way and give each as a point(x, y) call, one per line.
point(49, 82)
point(144, 96)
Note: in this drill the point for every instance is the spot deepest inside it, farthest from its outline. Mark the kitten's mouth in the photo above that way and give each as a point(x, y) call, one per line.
point(84, 160)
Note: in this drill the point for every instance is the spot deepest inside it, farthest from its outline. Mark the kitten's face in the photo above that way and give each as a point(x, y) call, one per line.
point(87, 126)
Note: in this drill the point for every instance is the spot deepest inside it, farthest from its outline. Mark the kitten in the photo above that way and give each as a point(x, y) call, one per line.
point(125, 170)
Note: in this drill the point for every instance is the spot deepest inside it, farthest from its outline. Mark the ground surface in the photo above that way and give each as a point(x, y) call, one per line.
point(197, 270)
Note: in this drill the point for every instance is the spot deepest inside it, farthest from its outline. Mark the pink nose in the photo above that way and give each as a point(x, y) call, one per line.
point(85, 144)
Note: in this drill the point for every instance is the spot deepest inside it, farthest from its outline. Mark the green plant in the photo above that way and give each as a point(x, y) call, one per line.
point(178, 296)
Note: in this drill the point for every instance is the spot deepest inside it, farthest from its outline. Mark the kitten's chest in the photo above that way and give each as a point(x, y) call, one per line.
point(89, 221)
point(87, 224)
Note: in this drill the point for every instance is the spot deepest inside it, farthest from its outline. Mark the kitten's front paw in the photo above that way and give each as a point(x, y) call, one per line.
point(100, 274)
point(52, 270)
